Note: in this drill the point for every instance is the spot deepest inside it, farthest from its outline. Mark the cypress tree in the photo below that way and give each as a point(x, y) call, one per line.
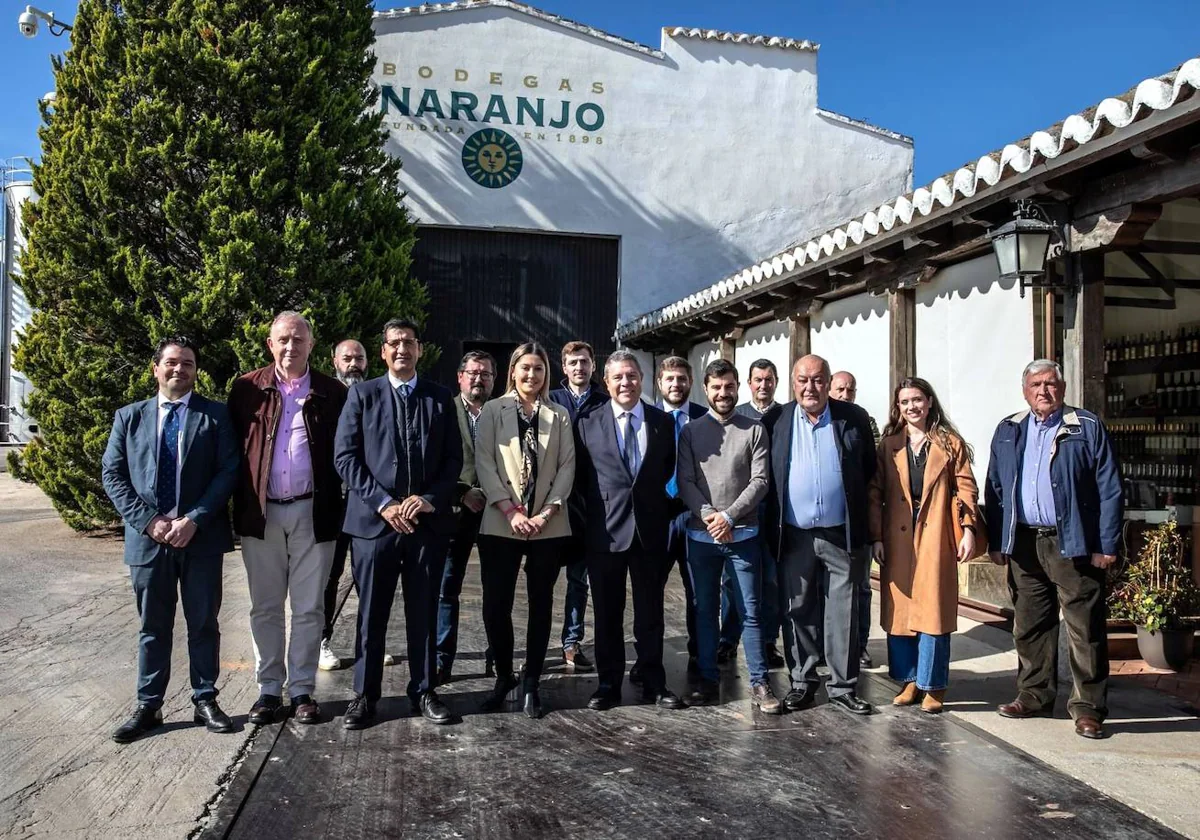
point(206, 164)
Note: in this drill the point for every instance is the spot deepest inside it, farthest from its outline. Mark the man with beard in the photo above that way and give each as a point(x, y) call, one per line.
point(170, 466)
point(399, 450)
point(675, 387)
point(350, 366)
point(476, 375)
point(288, 509)
point(763, 379)
point(578, 394)
point(722, 477)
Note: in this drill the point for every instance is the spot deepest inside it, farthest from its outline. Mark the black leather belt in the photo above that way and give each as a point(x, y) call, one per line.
point(288, 501)
point(1040, 530)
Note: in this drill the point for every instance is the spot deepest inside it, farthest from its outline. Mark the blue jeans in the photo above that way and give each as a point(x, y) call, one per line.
point(575, 604)
point(923, 659)
point(742, 561)
point(731, 622)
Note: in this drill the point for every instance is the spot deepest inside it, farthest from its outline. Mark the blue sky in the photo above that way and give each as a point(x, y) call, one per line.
point(961, 78)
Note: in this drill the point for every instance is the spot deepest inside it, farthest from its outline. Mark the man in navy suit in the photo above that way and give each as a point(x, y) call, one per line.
point(625, 455)
point(399, 451)
point(169, 469)
point(675, 388)
point(578, 395)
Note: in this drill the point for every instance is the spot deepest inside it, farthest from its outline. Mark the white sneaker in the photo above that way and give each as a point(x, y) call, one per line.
point(388, 659)
point(329, 660)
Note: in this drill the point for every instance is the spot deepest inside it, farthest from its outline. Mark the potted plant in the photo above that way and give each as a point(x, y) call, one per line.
point(1157, 593)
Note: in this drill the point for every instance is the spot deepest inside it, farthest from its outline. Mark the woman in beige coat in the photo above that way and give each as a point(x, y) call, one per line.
point(525, 462)
point(922, 483)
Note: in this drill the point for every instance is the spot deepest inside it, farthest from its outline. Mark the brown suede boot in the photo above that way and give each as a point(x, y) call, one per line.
point(932, 704)
point(909, 695)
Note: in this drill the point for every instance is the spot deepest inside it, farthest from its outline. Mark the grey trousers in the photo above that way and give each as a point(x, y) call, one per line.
point(815, 569)
point(289, 565)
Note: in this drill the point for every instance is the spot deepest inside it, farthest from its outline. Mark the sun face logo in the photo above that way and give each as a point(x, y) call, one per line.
point(492, 158)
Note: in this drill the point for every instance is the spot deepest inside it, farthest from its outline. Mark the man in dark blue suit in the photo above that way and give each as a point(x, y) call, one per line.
point(675, 388)
point(578, 395)
point(399, 451)
point(625, 455)
point(169, 469)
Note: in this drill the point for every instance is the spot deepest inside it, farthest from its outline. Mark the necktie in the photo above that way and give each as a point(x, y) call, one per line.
point(406, 432)
point(673, 484)
point(629, 453)
point(165, 488)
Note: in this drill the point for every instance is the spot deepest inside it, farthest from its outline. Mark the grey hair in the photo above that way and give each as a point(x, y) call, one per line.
point(290, 315)
point(1039, 365)
point(619, 356)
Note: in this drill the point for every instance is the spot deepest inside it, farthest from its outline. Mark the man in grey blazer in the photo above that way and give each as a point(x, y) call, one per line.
point(169, 469)
point(476, 375)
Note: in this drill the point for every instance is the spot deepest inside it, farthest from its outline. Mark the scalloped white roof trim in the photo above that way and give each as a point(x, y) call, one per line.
point(741, 38)
point(1157, 94)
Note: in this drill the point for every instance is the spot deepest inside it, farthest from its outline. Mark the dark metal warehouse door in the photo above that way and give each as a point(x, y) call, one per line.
point(499, 288)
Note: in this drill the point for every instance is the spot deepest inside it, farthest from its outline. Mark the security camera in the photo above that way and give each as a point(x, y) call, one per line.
point(28, 23)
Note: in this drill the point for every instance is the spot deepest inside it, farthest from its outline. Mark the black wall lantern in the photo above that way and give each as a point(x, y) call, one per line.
point(1022, 246)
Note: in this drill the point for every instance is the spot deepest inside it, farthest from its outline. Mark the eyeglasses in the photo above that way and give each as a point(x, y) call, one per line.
point(406, 343)
point(478, 374)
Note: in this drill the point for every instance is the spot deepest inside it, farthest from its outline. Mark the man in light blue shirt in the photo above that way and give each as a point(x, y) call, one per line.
point(822, 458)
point(1035, 494)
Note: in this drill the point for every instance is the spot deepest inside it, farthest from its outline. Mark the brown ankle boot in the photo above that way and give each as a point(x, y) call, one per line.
point(932, 704)
point(909, 695)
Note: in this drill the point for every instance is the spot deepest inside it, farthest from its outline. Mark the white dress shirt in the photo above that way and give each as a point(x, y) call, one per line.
point(180, 413)
point(639, 427)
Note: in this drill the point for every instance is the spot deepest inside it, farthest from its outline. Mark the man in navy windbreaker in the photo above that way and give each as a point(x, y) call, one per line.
point(1054, 511)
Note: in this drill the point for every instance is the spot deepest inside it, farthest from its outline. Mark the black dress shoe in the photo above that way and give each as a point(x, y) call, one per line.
point(533, 704)
point(704, 694)
point(664, 699)
point(635, 674)
point(144, 719)
point(305, 709)
point(865, 661)
point(852, 703)
point(267, 709)
point(433, 709)
point(800, 698)
point(210, 714)
point(774, 657)
point(603, 700)
point(495, 700)
point(359, 713)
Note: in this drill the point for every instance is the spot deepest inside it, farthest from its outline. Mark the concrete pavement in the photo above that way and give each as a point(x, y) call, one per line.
point(67, 654)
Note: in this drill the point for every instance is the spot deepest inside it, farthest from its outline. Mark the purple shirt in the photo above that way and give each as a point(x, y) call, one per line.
point(291, 462)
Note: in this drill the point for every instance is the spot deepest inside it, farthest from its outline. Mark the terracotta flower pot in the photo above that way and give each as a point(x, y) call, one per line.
point(1167, 650)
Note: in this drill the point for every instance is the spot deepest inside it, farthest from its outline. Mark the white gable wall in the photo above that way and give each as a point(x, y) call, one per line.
point(709, 156)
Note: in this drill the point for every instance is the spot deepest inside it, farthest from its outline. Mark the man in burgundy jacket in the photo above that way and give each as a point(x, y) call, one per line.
point(288, 510)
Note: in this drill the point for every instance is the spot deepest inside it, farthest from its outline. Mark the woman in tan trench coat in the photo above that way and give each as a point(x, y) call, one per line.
point(923, 482)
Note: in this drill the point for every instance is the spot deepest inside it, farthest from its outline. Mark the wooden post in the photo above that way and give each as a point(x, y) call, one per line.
point(799, 341)
point(1083, 335)
point(1049, 324)
point(727, 345)
point(902, 344)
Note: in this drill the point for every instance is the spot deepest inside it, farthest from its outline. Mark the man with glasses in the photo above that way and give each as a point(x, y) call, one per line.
point(476, 374)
